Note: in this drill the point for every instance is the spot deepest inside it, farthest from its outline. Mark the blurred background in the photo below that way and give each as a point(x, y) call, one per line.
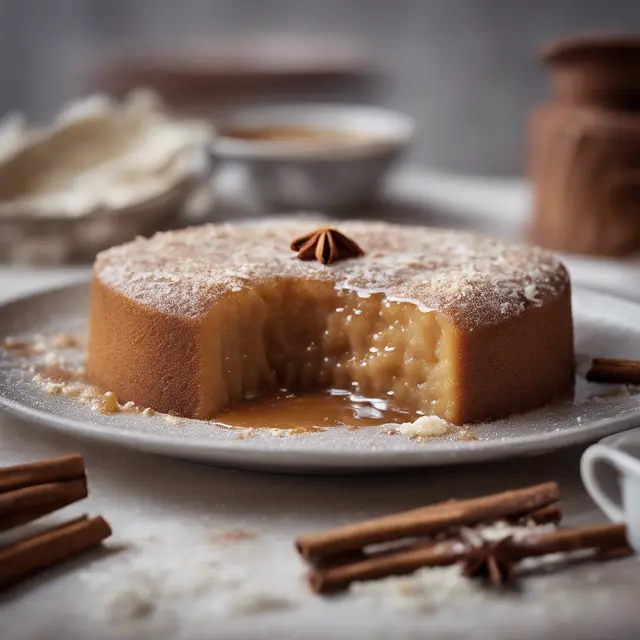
point(464, 69)
point(466, 72)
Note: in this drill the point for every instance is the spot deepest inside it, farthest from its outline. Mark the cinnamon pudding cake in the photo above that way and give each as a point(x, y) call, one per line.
point(446, 323)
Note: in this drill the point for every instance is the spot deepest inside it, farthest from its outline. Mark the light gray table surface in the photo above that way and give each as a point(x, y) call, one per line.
point(169, 570)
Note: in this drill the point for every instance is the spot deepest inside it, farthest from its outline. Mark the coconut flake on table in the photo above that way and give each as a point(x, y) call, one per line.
point(427, 590)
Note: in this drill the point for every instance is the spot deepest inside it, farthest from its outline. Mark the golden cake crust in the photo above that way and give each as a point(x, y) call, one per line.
point(473, 279)
point(508, 308)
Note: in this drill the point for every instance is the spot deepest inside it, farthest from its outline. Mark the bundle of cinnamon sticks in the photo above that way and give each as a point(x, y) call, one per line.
point(30, 491)
point(449, 533)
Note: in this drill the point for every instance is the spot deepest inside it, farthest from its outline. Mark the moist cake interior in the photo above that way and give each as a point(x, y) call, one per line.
point(304, 335)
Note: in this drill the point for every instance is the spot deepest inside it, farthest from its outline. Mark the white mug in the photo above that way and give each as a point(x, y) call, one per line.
point(611, 473)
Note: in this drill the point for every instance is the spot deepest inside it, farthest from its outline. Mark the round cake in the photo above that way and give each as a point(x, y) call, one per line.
point(447, 323)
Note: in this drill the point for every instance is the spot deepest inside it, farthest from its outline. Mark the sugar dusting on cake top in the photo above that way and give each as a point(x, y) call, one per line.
point(474, 280)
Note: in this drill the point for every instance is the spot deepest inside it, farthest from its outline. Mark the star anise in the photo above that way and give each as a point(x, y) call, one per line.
point(326, 245)
point(486, 558)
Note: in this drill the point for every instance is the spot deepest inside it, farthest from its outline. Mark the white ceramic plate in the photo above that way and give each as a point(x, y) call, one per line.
point(604, 326)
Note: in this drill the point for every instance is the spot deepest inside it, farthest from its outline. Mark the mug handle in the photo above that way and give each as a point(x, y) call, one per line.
point(592, 457)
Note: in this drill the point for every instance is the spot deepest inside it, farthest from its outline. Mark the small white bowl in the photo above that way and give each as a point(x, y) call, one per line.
point(339, 172)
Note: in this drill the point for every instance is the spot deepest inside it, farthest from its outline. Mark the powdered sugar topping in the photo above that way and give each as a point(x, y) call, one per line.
point(472, 279)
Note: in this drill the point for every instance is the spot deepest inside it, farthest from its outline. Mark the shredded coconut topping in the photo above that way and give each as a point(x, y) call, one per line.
point(471, 279)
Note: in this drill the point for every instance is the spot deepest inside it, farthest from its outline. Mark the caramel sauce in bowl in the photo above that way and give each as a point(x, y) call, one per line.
point(324, 156)
point(301, 136)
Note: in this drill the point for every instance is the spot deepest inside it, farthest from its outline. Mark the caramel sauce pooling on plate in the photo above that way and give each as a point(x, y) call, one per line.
point(311, 411)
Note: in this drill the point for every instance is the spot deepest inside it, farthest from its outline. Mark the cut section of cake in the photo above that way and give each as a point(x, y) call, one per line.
point(446, 323)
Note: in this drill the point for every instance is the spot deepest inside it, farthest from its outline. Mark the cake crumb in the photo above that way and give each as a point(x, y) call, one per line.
point(232, 535)
point(277, 433)
point(424, 427)
point(73, 390)
point(54, 388)
point(16, 344)
point(56, 372)
point(54, 359)
point(149, 412)
point(65, 341)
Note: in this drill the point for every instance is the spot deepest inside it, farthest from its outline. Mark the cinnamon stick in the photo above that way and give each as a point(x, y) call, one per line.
point(40, 551)
point(551, 514)
point(33, 513)
point(38, 497)
point(611, 536)
point(428, 520)
point(53, 470)
point(616, 552)
point(546, 515)
point(610, 540)
point(614, 371)
point(388, 563)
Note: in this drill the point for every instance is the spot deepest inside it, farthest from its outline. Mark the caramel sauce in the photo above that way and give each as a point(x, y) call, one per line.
point(294, 134)
point(313, 411)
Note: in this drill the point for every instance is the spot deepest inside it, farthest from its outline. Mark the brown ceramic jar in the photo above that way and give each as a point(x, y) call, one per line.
point(584, 158)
